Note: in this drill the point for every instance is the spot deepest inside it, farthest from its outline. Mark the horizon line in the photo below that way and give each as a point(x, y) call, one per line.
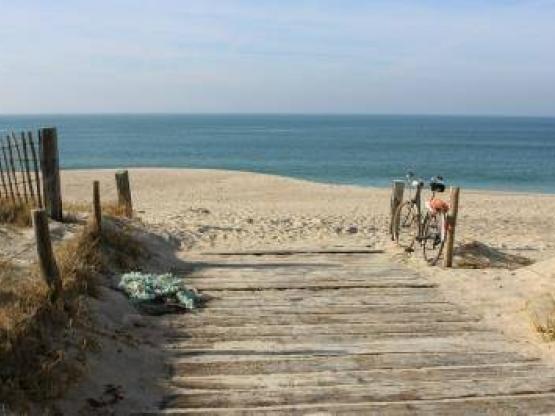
point(171, 113)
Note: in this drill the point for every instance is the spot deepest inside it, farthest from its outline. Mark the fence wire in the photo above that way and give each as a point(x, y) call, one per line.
point(20, 176)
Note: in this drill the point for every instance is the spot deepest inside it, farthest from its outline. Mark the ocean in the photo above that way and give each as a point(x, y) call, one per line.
point(501, 153)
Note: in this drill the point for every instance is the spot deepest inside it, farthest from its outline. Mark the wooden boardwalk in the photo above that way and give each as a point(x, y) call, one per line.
point(340, 333)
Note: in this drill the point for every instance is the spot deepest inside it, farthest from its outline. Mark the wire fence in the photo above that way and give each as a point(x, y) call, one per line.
point(20, 175)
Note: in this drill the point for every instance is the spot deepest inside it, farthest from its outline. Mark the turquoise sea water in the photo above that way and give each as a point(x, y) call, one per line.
point(506, 153)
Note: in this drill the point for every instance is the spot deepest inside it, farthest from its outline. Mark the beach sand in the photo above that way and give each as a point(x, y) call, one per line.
point(212, 210)
point(238, 210)
point(224, 210)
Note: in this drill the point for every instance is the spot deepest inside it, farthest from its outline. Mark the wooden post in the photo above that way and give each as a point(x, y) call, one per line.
point(12, 165)
point(36, 168)
point(6, 165)
point(2, 177)
point(97, 211)
point(21, 168)
point(451, 224)
point(25, 162)
point(124, 192)
point(49, 163)
point(396, 200)
point(47, 262)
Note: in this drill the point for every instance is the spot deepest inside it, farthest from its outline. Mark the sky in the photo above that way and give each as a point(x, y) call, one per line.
point(268, 56)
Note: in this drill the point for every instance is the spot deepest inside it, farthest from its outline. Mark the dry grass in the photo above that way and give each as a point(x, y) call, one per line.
point(73, 210)
point(18, 214)
point(541, 310)
point(43, 345)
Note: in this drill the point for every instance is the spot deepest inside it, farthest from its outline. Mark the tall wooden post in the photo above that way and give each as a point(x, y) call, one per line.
point(97, 210)
point(451, 224)
point(396, 200)
point(49, 163)
point(124, 192)
point(47, 263)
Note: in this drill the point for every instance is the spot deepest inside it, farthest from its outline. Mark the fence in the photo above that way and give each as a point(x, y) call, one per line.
point(20, 177)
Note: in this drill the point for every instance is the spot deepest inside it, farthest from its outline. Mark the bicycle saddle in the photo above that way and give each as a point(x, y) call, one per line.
point(437, 184)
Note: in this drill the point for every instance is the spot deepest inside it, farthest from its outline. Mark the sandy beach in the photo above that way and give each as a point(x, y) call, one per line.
point(224, 210)
point(239, 210)
point(209, 211)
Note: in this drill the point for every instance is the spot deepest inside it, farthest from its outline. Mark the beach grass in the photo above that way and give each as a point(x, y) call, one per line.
point(18, 213)
point(43, 345)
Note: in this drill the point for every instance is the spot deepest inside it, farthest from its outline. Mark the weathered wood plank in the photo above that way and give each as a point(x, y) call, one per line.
point(343, 346)
point(203, 319)
point(374, 391)
point(216, 284)
point(276, 364)
point(292, 252)
point(340, 376)
point(250, 331)
point(522, 404)
point(327, 309)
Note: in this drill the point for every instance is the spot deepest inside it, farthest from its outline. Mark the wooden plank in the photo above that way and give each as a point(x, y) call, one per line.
point(342, 346)
point(361, 343)
point(293, 295)
point(313, 340)
point(28, 170)
point(234, 285)
point(375, 391)
point(258, 331)
point(299, 273)
point(357, 377)
point(208, 365)
point(21, 169)
point(375, 301)
point(12, 170)
point(35, 168)
point(291, 252)
point(521, 404)
point(200, 319)
point(282, 280)
point(327, 309)
point(5, 195)
point(8, 174)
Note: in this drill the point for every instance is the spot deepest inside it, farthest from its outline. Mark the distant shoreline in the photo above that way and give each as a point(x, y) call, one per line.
point(159, 169)
point(512, 154)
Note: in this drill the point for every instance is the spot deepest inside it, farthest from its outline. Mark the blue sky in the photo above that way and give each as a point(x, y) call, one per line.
point(417, 57)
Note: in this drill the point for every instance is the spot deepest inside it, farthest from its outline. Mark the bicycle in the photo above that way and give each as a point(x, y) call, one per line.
point(411, 227)
point(406, 220)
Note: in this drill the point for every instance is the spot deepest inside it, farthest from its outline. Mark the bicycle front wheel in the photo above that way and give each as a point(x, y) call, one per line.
point(433, 237)
point(405, 225)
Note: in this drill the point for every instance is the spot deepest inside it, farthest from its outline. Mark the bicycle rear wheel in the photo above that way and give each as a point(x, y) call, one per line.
point(405, 225)
point(433, 237)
